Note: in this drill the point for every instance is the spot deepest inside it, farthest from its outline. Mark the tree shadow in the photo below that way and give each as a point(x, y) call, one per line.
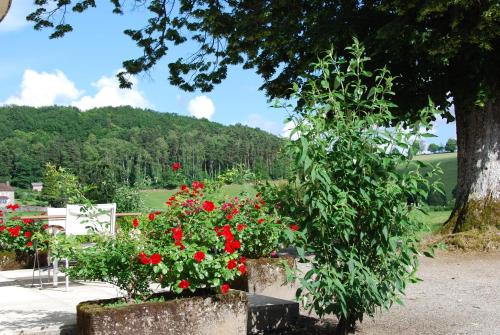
point(20, 321)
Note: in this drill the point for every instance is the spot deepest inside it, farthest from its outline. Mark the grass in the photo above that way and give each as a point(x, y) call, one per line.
point(433, 220)
point(155, 199)
point(448, 163)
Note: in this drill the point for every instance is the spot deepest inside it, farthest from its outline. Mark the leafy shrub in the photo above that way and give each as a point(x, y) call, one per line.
point(128, 199)
point(197, 243)
point(355, 200)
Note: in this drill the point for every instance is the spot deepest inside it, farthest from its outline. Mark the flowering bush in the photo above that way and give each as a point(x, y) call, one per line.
point(19, 235)
point(198, 242)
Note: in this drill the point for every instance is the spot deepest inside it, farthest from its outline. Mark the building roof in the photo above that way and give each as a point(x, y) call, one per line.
point(6, 188)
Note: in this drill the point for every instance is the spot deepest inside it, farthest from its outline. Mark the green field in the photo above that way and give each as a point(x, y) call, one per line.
point(155, 199)
point(448, 163)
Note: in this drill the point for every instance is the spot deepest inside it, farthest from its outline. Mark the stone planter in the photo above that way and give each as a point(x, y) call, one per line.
point(224, 314)
point(11, 260)
point(267, 276)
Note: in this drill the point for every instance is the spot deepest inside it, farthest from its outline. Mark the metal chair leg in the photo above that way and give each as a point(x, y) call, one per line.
point(66, 263)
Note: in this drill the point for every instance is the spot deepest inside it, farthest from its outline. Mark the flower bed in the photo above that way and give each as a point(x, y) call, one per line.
point(198, 243)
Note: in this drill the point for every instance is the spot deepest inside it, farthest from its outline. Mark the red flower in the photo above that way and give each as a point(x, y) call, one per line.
point(12, 207)
point(183, 284)
point(228, 248)
point(27, 234)
point(241, 226)
point(257, 207)
point(151, 216)
point(242, 269)
point(198, 185)
point(176, 166)
point(143, 258)
point(155, 259)
point(184, 188)
point(199, 256)
point(208, 206)
point(243, 259)
point(224, 288)
point(177, 234)
point(27, 221)
point(229, 217)
point(45, 226)
point(232, 264)
point(135, 223)
point(235, 211)
point(228, 235)
point(235, 244)
point(294, 227)
point(14, 232)
point(179, 244)
point(2, 228)
point(29, 244)
point(260, 221)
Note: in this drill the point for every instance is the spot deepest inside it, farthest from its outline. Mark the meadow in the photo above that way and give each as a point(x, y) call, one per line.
point(155, 198)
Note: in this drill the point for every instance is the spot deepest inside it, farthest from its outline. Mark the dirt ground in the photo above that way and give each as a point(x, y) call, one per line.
point(459, 294)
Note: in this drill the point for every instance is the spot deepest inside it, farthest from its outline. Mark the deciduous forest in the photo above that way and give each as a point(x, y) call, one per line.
point(128, 146)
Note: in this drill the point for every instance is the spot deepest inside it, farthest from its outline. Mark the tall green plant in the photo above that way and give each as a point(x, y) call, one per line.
point(355, 192)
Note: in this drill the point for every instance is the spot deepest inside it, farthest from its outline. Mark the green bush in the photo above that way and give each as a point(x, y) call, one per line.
point(128, 199)
point(355, 200)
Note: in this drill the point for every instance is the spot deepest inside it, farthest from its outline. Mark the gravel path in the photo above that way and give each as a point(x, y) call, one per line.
point(460, 294)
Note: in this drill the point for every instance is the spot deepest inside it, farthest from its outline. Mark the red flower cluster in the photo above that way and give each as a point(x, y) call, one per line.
point(135, 223)
point(170, 201)
point(197, 185)
point(14, 232)
point(177, 235)
point(241, 226)
point(154, 259)
point(151, 216)
point(28, 221)
point(176, 166)
point(12, 207)
point(231, 244)
point(294, 227)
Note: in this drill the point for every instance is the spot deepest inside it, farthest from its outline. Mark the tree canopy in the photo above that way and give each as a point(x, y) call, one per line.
point(437, 48)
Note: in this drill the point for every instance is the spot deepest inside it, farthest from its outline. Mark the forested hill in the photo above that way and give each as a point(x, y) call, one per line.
point(127, 145)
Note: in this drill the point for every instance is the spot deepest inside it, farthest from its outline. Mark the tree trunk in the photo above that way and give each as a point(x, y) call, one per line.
point(478, 193)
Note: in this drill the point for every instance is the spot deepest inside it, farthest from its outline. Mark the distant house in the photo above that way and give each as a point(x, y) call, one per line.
point(37, 187)
point(6, 194)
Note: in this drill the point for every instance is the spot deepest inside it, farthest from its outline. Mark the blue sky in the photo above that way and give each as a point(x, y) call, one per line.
point(79, 70)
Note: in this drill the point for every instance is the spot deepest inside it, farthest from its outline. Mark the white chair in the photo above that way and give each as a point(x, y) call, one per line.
point(80, 220)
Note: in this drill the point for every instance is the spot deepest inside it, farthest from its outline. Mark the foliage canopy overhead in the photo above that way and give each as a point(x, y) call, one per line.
point(438, 48)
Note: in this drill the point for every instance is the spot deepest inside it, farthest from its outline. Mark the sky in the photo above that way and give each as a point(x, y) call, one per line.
point(79, 70)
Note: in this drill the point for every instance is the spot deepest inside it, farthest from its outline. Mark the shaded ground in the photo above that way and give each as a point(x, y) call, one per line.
point(460, 294)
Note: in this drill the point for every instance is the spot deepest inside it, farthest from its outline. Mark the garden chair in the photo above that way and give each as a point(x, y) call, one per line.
point(80, 220)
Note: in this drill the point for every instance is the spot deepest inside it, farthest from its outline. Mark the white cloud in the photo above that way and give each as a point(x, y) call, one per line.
point(287, 130)
point(257, 121)
point(110, 94)
point(16, 16)
point(44, 89)
point(201, 107)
